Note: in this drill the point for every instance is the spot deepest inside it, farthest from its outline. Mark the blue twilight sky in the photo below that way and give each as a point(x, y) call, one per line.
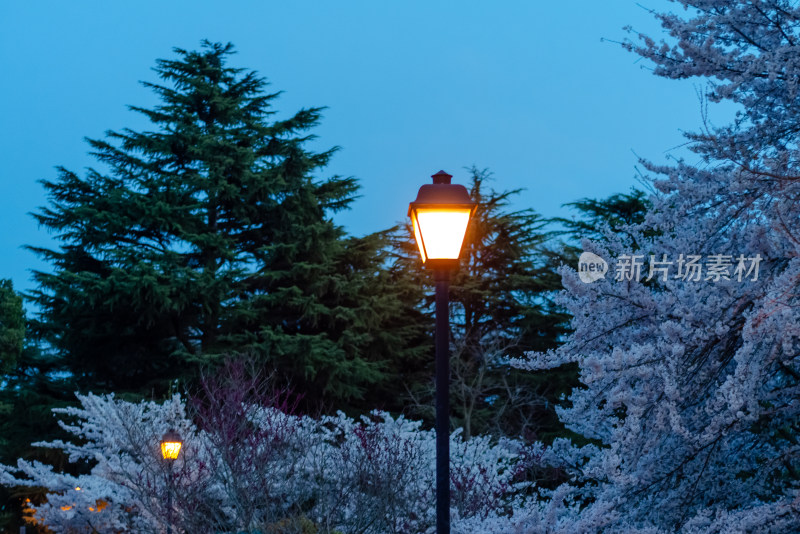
point(524, 88)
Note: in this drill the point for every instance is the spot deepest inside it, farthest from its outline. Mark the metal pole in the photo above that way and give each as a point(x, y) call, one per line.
point(442, 402)
point(169, 499)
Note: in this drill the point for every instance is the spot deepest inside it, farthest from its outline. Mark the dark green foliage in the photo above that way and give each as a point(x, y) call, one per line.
point(615, 212)
point(30, 389)
point(208, 234)
point(12, 326)
point(500, 290)
point(503, 308)
point(27, 380)
point(341, 332)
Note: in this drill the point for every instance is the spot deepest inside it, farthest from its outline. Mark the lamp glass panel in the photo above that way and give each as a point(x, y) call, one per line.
point(170, 449)
point(418, 237)
point(442, 231)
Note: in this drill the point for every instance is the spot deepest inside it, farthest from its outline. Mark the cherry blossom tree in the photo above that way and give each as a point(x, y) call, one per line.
point(260, 469)
point(692, 377)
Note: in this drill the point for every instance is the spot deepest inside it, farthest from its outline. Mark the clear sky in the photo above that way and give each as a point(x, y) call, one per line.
point(524, 88)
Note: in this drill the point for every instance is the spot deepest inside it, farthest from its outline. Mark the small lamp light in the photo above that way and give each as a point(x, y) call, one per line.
point(440, 216)
point(171, 445)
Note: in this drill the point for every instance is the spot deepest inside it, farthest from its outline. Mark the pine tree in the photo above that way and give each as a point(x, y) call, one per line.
point(211, 233)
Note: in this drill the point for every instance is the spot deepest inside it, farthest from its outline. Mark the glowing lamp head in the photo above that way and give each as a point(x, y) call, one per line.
point(171, 445)
point(440, 216)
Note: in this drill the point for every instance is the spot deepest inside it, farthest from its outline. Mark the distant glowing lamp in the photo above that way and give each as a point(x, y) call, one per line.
point(171, 445)
point(440, 216)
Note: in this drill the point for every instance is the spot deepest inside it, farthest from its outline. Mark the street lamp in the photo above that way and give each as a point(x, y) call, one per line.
point(171, 444)
point(440, 216)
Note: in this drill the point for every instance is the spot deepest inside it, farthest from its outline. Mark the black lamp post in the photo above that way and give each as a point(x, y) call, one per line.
point(171, 444)
point(440, 216)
